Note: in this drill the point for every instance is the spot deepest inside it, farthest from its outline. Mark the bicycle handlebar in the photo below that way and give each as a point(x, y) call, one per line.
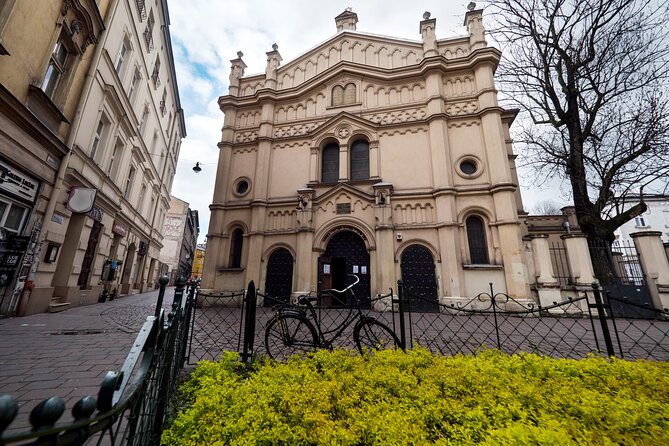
point(357, 279)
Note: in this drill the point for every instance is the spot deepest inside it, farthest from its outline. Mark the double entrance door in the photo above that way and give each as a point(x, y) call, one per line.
point(345, 254)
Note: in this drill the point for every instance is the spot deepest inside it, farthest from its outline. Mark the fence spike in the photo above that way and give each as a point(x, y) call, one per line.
point(46, 413)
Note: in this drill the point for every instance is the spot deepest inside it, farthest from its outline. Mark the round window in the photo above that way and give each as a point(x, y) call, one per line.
point(468, 167)
point(242, 187)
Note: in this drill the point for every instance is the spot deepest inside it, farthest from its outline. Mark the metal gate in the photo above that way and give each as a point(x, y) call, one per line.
point(279, 280)
point(619, 271)
point(420, 282)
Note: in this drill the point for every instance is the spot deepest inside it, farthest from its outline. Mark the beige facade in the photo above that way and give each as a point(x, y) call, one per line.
point(383, 157)
point(120, 133)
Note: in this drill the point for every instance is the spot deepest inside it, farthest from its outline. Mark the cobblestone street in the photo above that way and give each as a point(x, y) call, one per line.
point(67, 354)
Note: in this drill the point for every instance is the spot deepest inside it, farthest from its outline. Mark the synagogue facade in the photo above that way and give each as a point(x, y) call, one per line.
point(370, 155)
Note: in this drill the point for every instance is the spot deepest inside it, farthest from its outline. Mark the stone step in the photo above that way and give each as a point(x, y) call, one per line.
point(56, 305)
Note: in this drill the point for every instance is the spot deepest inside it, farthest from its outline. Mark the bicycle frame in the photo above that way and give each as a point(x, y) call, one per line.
point(350, 318)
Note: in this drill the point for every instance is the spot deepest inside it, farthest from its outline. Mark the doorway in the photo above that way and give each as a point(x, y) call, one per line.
point(418, 277)
point(345, 254)
point(279, 280)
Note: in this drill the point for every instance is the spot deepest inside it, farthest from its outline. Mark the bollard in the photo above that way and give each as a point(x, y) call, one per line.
point(161, 294)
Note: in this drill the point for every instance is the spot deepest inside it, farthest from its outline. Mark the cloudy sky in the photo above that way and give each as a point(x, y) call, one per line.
point(207, 34)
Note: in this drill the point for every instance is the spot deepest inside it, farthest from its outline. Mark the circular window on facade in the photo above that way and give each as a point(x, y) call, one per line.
point(469, 167)
point(242, 186)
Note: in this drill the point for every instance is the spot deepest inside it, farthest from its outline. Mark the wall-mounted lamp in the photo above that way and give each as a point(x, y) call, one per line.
point(197, 168)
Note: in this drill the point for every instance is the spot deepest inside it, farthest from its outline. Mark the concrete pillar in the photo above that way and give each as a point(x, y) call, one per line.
point(548, 287)
point(578, 256)
point(655, 265)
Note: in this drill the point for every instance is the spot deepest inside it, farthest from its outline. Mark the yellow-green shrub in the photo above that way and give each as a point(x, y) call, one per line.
point(401, 398)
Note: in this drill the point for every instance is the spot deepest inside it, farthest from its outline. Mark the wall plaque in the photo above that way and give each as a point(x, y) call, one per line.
point(343, 208)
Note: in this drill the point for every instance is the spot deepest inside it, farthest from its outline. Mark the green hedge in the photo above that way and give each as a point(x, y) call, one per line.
point(417, 398)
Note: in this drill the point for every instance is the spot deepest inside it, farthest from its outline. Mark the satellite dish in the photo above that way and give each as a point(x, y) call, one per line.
point(426, 15)
point(471, 6)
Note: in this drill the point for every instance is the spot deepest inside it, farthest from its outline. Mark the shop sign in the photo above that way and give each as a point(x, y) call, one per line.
point(95, 213)
point(119, 229)
point(18, 184)
point(81, 200)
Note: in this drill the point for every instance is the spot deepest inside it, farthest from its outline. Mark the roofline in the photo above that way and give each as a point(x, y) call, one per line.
point(170, 55)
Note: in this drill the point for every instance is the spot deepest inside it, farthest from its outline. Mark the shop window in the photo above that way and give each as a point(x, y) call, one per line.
point(12, 216)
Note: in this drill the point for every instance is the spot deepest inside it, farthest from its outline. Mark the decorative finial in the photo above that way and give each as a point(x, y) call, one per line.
point(275, 47)
point(426, 15)
point(471, 6)
point(348, 9)
point(240, 54)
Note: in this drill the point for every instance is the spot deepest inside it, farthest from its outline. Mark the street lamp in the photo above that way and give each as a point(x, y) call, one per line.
point(197, 168)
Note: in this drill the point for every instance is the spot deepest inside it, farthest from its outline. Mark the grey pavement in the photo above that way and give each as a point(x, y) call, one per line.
point(67, 354)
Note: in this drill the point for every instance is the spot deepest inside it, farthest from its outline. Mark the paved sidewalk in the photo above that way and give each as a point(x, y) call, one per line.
point(67, 354)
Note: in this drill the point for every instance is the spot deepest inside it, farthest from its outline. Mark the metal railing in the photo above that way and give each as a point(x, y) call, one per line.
point(131, 403)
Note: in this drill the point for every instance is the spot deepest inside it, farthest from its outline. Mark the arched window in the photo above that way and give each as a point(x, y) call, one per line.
point(236, 242)
point(360, 160)
point(338, 95)
point(478, 248)
point(349, 94)
point(330, 165)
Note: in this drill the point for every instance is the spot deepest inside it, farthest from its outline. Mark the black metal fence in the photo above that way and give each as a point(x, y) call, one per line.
point(132, 402)
point(595, 322)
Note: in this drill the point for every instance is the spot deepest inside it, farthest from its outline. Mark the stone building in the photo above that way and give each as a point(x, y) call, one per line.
point(112, 103)
point(384, 157)
point(181, 229)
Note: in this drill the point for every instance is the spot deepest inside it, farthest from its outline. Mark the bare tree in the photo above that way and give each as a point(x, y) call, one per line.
point(593, 77)
point(547, 207)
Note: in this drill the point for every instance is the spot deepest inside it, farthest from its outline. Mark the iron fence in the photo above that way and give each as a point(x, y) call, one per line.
point(131, 403)
point(560, 263)
point(592, 323)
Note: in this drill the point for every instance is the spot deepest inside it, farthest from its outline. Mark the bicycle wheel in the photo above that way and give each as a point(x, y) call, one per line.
point(371, 334)
point(289, 334)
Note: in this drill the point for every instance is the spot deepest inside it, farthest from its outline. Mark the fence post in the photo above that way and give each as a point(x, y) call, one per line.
point(599, 304)
point(161, 294)
point(249, 322)
point(493, 301)
point(400, 305)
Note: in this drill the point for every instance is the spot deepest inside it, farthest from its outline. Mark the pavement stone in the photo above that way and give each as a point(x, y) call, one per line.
point(67, 354)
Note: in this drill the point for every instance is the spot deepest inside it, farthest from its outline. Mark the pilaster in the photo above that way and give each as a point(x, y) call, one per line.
point(655, 265)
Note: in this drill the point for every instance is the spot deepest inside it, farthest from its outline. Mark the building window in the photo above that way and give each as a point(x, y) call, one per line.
point(112, 166)
point(343, 95)
point(478, 248)
point(163, 105)
point(142, 122)
point(360, 160)
point(60, 61)
point(128, 182)
point(122, 56)
point(140, 202)
point(330, 165)
point(640, 222)
point(98, 139)
point(141, 8)
point(133, 86)
point(236, 242)
point(148, 32)
point(12, 217)
point(155, 75)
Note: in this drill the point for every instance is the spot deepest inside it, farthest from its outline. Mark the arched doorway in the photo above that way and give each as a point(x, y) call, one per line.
point(420, 282)
point(279, 280)
point(345, 254)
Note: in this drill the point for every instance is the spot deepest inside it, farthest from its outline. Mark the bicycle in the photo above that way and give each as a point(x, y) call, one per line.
point(290, 331)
